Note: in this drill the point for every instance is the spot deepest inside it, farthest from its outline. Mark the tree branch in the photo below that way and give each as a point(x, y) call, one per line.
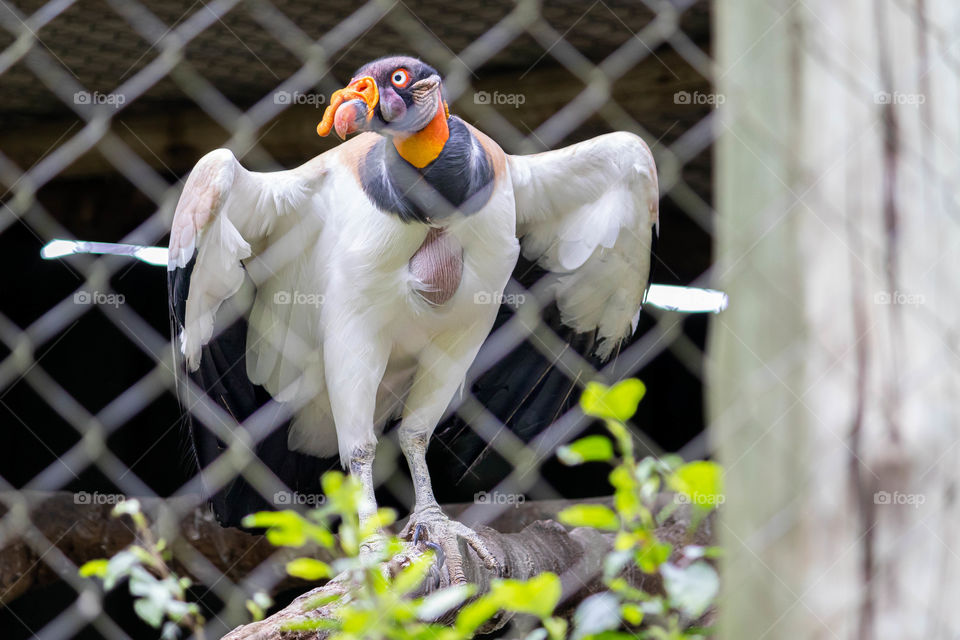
point(543, 545)
point(84, 530)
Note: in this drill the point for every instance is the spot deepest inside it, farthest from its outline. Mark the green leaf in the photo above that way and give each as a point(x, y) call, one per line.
point(588, 449)
point(597, 516)
point(118, 568)
point(618, 402)
point(357, 621)
point(96, 568)
point(170, 631)
point(332, 481)
point(382, 519)
point(624, 541)
point(404, 612)
point(262, 599)
point(537, 596)
point(310, 624)
point(440, 602)
point(701, 482)
point(652, 555)
point(413, 574)
point(691, 589)
point(600, 612)
point(625, 499)
point(614, 562)
point(381, 584)
point(308, 569)
point(258, 604)
point(256, 611)
point(143, 556)
point(321, 535)
point(320, 601)
point(472, 616)
point(556, 627)
point(645, 468)
point(343, 493)
point(284, 528)
point(632, 614)
point(150, 611)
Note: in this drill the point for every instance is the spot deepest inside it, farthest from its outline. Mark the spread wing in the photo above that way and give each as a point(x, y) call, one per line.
point(231, 236)
point(226, 215)
point(587, 213)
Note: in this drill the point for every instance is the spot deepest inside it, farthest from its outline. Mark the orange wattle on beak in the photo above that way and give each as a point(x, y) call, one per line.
point(344, 117)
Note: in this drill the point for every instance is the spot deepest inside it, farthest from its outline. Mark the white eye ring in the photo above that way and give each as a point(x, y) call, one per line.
point(400, 78)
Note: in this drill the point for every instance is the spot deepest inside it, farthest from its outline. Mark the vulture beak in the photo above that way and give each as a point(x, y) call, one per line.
point(350, 108)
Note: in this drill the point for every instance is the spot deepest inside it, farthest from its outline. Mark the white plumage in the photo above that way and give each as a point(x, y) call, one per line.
point(587, 212)
point(331, 271)
point(339, 327)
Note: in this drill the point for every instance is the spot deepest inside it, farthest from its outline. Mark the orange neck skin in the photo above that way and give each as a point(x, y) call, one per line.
point(423, 147)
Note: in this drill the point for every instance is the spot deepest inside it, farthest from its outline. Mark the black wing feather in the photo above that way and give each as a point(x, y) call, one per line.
point(222, 374)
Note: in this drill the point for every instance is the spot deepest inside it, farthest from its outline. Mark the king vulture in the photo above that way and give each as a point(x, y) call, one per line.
point(377, 271)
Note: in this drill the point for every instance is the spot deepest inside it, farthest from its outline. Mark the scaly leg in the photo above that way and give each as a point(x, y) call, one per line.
point(429, 518)
point(361, 467)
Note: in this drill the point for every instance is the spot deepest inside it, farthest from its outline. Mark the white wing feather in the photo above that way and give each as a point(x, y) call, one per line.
point(227, 214)
point(587, 213)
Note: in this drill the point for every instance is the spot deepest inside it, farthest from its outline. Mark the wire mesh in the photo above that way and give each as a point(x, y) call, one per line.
point(85, 84)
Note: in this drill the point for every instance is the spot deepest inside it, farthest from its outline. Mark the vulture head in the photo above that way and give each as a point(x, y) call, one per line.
point(396, 96)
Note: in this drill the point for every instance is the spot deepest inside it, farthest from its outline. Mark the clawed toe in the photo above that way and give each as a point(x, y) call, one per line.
point(440, 534)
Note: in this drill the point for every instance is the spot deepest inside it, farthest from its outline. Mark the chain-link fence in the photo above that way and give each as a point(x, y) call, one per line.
point(107, 105)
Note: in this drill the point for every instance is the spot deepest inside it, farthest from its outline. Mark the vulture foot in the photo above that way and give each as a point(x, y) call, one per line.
point(440, 533)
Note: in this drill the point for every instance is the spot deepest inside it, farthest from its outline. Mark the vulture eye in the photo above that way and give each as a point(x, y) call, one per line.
point(400, 78)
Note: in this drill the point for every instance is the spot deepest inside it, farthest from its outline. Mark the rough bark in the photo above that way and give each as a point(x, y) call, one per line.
point(834, 374)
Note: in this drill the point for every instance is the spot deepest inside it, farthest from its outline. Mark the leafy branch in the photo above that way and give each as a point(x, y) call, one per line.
point(690, 582)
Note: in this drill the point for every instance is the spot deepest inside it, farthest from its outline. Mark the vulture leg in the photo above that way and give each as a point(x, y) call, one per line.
point(441, 372)
point(361, 467)
point(427, 516)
